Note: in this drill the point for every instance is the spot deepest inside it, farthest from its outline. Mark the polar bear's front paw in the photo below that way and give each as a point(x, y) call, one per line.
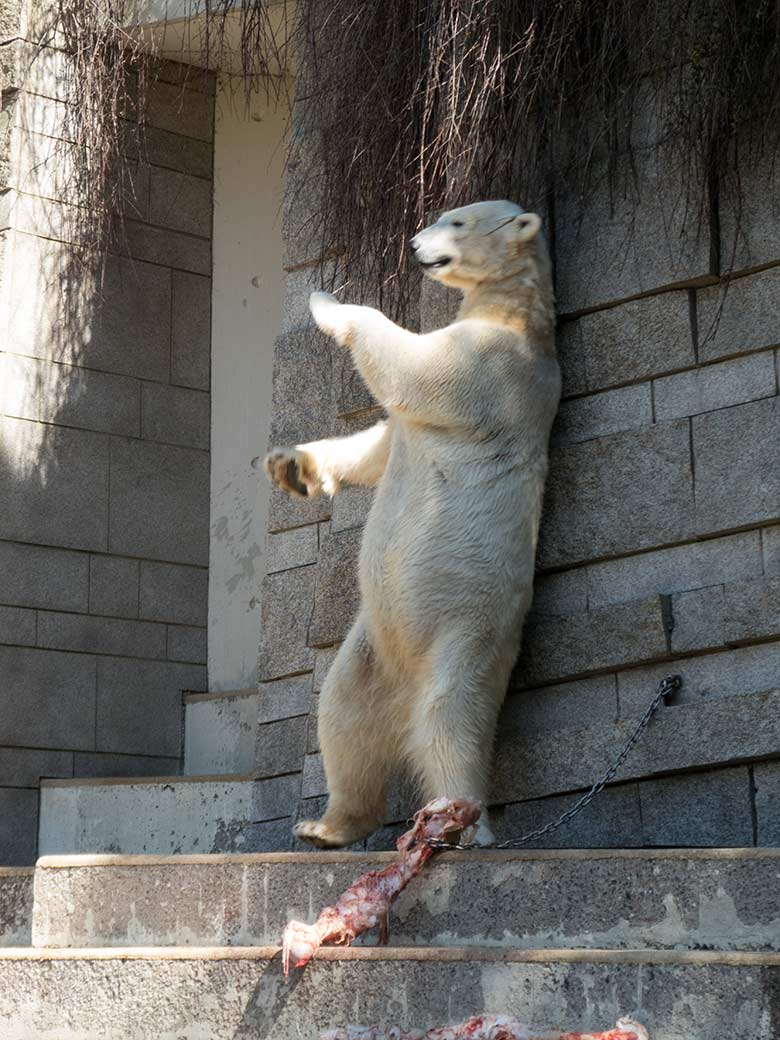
point(331, 317)
point(292, 471)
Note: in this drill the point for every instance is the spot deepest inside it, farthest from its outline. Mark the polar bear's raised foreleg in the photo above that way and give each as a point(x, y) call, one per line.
point(356, 740)
point(324, 467)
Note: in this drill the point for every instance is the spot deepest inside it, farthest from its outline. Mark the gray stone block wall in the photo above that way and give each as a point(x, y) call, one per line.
point(104, 447)
point(660, 545)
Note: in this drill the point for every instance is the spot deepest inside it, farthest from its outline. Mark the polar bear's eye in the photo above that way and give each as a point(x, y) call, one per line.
point(457, 223)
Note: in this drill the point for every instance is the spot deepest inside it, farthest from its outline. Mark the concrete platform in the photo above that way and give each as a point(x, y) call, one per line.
point(165, 815)
point(625, 899)
point(230, 994)
point(16, 905)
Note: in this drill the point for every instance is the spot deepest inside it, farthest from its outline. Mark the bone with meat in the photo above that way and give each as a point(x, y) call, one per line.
point(485, 1027)
point(366, 903)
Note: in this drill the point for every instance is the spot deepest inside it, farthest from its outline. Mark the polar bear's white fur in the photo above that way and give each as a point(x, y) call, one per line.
point(447, 558)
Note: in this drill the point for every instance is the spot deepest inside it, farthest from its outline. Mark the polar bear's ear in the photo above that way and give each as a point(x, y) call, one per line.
point(526, 226)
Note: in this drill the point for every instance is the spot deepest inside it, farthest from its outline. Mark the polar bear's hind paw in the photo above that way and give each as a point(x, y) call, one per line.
point(326, 836)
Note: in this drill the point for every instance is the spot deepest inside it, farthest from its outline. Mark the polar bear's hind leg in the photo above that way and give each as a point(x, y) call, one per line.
point(357, 747)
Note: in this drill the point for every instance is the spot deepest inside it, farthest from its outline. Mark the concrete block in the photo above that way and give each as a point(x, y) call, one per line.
point(695, 565)
point(97, 635)
point(24, 767)
point(560, 594)
point(156, 994)
point(219, 734)
point(602, 497)
point(284, 698)
point(628, 408)
point(191, 330)
point(336, 596)
point(286, 512)
point(47, 699)
point(17, 625)
point(54, 485)
point(634, 341)
point(312, 727)
point(730, 674)
point(187, 643)
point(287, 603)
point(766, 778)
point(744, 440)
point(16, 906)
point(34, 576)
point(301, 408)
point(163, 148)
point(709, 809)
point(313, 783)
point(119, 324)
point(556, 648)
point(180, 201)
point(280, 747)
point(139, 705)
point(697, 619)
point(173, 593)
point(611, 821)
point(715, 386)
point(159, 501)
point(770, 546)
point(749, 223)
point(179, 814)
point(18, 826)
point(20, 388)
point(186, 112)
point(295, 548)
point(176, 415)
point(302, 203)
point(681, 737)
point(751, 610)
point(100, 764)
point(627, 238)
point(113, 586)
point(552, 709)
point(351, 395)
point(739, 315)
point(323, 660)
point(351, 508)
point(166, 247)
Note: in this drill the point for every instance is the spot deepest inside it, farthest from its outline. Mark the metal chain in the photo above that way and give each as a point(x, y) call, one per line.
point(666, 688)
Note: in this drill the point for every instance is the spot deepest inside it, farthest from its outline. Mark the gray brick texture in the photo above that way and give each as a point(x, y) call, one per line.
point(104, 450)
point(659, 548)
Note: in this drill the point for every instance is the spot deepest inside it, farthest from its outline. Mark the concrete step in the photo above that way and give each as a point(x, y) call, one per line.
point(16, 905)
point(166, 815)
point(626, 899)
point(238, 994)
point(262, 731)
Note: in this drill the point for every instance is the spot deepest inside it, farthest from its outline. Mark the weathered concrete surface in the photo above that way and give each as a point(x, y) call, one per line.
point(168, 815)
point(218, 994)
point(16, 905)
point(625, 899)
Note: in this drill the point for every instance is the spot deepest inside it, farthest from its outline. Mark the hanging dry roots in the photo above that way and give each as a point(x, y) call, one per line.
point(485, 1027)
point(366, 903)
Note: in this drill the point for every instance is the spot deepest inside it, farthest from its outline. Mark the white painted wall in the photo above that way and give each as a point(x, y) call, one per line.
point(248, 287)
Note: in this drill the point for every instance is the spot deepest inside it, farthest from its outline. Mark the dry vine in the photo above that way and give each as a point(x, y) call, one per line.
point(408, 107)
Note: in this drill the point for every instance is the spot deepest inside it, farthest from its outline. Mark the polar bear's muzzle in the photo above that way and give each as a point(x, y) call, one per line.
point(441, 262)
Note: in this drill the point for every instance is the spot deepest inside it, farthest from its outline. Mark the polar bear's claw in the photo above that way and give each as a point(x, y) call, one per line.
point(325, 836)
point(285, 467)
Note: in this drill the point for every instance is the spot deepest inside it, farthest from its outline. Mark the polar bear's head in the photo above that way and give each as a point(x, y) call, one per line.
point(484, 242)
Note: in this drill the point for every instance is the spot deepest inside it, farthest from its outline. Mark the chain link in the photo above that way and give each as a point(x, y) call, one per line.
point(666, 687)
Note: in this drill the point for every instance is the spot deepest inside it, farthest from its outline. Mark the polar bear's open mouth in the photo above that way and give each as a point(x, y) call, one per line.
point(436, 263)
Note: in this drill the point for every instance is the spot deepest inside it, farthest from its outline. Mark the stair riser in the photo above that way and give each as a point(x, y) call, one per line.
point(16, 907)
point(229, 999)
point(601, 901)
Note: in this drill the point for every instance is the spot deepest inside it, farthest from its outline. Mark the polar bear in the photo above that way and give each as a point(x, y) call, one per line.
point(447, 557)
